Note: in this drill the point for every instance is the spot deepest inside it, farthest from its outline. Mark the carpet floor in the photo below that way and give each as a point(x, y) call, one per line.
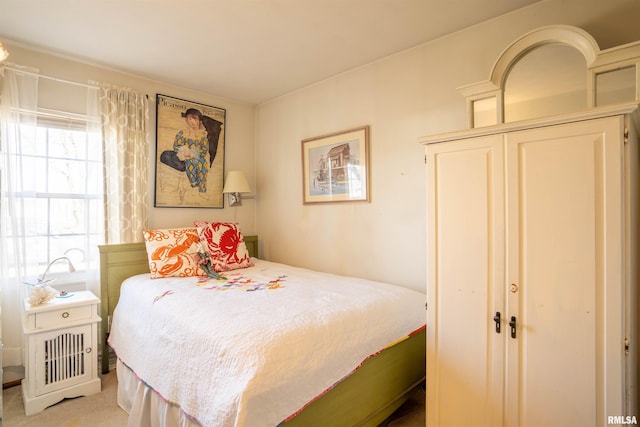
point(101, 410)
point(96, 410)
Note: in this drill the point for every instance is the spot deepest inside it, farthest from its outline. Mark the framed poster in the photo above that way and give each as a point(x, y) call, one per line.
point(189, 154)
point(335, 167)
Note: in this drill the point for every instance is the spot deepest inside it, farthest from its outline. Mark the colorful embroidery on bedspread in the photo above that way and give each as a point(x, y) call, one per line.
point(234, 281)
point(239, 282)
point(164, 294)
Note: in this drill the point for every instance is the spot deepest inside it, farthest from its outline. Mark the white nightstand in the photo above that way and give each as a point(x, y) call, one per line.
point(60, 350)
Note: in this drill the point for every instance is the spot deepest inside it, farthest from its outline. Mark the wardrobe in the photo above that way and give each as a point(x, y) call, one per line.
point(532, 252)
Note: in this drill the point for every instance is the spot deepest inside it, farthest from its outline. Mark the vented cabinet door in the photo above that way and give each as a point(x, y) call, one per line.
point(63, 358)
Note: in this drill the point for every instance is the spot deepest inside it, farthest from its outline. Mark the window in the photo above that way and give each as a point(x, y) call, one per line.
point(62, 197)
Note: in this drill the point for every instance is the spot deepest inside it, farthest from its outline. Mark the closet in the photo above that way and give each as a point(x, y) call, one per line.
point(532, 248)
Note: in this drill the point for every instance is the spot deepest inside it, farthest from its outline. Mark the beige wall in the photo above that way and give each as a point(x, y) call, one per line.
point(239, 127)
point(402, 97)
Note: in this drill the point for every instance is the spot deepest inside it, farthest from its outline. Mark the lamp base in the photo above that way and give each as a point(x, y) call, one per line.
point(235, 199)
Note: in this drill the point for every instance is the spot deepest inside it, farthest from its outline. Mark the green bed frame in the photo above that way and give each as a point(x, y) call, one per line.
point(366, 398)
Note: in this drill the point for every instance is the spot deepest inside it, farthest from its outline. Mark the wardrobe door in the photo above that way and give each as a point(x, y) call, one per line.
point(465, 282)
point(564, 227)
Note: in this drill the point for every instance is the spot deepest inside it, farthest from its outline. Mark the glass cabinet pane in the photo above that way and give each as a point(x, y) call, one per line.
point(616, 86)
point(485, 112)
point(548, 80)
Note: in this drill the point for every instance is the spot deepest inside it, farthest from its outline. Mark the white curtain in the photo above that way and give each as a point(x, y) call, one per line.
point(124, 119)
point(18, 107)
point(120, 117)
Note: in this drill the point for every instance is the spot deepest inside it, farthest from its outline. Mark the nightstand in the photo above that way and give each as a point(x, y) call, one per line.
point(60, 350)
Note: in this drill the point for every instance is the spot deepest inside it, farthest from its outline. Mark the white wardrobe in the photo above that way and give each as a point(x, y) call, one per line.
point(533, 267)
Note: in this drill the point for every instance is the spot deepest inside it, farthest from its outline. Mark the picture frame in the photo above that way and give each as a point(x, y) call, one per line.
point(335, 167)
point(190, 146)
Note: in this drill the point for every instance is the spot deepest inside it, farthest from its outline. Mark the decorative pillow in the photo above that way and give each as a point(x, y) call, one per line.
point(172, 252)
point(225, 244)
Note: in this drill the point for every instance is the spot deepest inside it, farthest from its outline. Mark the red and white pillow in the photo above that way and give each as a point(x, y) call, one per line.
point(225, 244)
point(172, 251)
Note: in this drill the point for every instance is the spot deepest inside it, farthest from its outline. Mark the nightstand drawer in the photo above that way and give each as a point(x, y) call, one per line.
point(64, 315)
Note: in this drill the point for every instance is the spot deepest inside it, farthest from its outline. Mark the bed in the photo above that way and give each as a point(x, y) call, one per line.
point(376, 382)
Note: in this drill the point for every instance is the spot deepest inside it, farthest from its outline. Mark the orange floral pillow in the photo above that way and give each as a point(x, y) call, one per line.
point(172, 252)
point(225, 244)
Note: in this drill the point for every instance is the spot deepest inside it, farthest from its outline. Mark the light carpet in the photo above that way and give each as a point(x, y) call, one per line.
point(96, 410)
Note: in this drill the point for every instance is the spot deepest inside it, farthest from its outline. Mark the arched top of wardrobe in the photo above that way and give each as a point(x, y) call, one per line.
point(573, 37)
point(553, 70)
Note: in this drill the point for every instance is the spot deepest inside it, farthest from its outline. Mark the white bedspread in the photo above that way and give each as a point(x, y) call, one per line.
point(254, 349)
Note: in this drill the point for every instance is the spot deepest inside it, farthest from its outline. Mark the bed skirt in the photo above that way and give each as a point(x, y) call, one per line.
point(145, 407)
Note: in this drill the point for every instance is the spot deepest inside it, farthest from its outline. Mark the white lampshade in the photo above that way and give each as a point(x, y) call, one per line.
point(236, 183)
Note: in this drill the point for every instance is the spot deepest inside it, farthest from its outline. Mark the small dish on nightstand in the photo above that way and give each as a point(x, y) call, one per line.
point(63, 294)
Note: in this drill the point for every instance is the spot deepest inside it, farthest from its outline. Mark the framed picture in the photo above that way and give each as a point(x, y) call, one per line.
point(189, 154)
point(335, 167)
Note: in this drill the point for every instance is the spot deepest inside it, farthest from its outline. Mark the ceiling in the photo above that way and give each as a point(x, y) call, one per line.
point(247, 50)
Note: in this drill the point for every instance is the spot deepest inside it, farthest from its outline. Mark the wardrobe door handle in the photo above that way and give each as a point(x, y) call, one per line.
point(512, 324)
point(496, 319)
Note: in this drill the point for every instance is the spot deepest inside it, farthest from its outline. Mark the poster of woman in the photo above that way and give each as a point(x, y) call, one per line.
point(189, 154)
